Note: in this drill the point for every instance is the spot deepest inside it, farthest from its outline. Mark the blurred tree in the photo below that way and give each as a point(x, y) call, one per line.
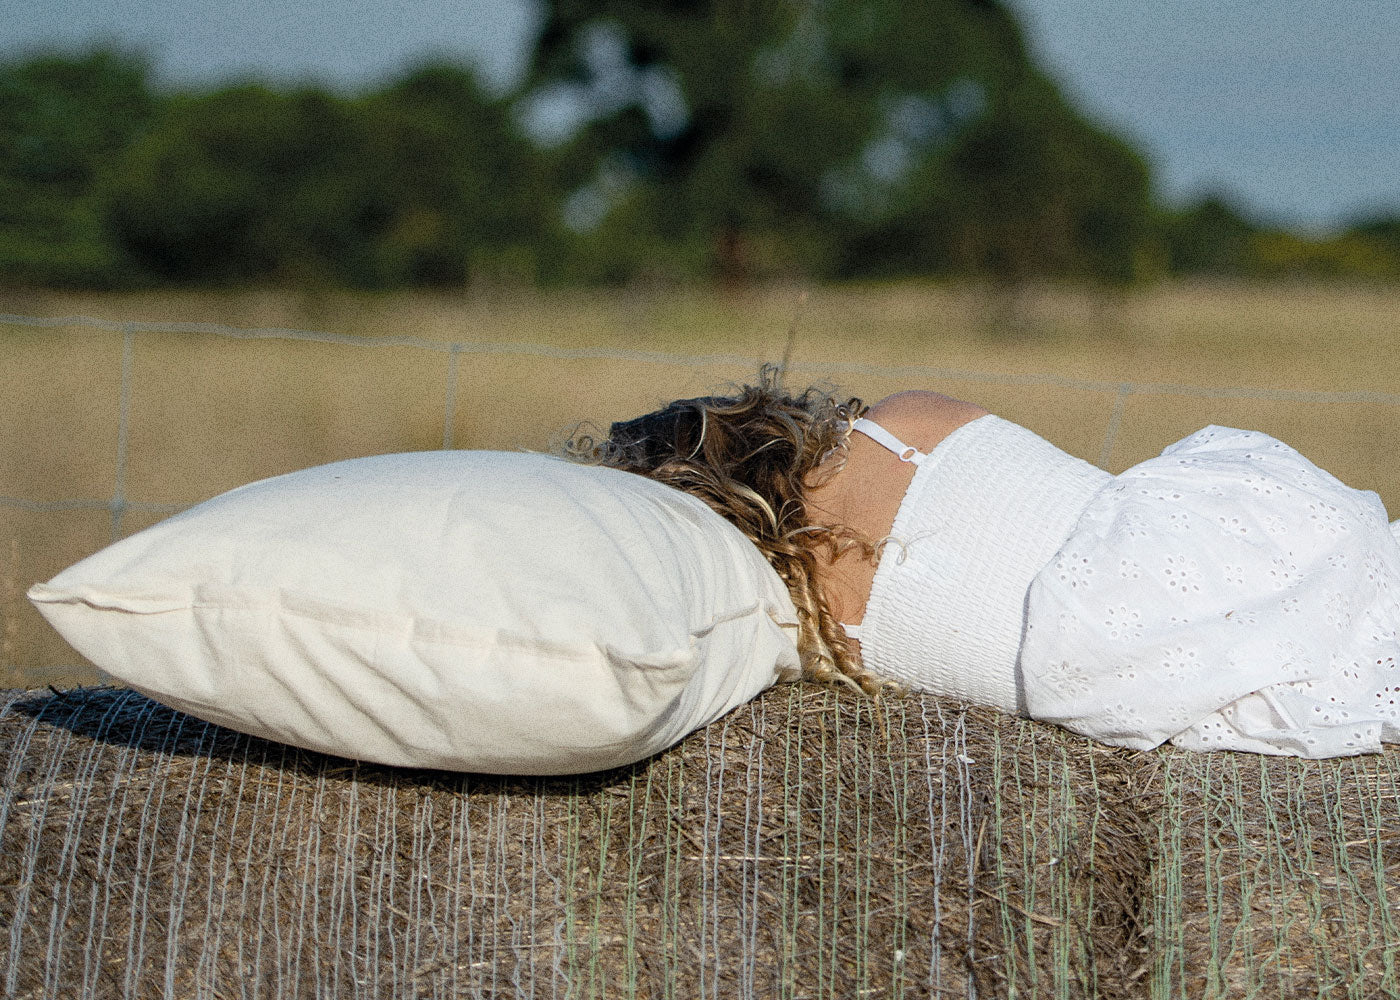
point(662, 117)
point(840, 138)
point(462, 193)
point(246, 183)
point(1027, 189)
point(418, 184)
point(1210, 237)
point(736, 140)
point(64, 122)
point(1383, 229)
point(1214, 238)
point(1276, 254)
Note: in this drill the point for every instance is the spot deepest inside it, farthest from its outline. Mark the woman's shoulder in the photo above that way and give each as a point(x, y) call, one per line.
point(923, 418)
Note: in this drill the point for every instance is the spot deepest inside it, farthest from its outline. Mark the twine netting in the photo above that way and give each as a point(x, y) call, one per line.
point(1277, 877)
point(811, 844)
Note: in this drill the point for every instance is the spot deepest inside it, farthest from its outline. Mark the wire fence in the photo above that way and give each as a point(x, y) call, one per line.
point(120, 504)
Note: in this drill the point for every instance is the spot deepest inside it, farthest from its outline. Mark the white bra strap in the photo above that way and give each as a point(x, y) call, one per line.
point(852, 631)
point(883, 437)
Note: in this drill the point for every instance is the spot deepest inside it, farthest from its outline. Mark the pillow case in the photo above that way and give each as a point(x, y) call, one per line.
point(481, 611)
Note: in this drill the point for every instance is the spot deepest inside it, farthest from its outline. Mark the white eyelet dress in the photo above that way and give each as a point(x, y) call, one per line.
point(1227, 594)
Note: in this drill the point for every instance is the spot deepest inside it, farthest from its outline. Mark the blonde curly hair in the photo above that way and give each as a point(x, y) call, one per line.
point(753, 456)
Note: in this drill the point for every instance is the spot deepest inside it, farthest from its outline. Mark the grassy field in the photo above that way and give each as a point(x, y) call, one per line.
point(206, 413)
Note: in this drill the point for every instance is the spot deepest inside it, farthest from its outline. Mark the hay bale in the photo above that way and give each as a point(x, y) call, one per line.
point(1277, 877)
point(811, 844)
point(1070, 848)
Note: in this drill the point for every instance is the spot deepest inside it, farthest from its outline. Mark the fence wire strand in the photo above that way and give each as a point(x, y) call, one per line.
point(118, 504)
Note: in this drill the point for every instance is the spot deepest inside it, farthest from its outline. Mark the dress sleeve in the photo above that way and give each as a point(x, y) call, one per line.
point(1227, 565)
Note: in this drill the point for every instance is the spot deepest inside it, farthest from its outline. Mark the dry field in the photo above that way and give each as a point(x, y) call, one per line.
point(204, 412)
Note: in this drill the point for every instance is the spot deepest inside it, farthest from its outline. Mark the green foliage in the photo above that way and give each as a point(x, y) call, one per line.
point(1027, 189)
point(458, 193)
point(1383, 230)
point(1276, 254)
point(64, 123)
point(247, 183)
point(667, 140)
point(839, 139)
point(420, 183)
point(1212, 238)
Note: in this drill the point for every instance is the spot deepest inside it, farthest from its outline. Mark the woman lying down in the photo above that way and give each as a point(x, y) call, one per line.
point(1227, 594)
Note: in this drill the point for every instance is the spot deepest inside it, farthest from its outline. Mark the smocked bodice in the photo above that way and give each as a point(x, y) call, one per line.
point(985, 512)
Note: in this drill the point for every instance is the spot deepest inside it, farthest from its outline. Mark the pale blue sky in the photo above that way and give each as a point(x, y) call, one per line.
point(1292, 106)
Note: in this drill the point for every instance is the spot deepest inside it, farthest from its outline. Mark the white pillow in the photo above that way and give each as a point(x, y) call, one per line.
point(481, 611)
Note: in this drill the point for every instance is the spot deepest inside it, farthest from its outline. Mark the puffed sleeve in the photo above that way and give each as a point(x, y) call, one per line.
point(1229, 566)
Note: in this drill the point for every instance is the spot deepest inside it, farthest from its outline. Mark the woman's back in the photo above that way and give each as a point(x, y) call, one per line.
point(865, 495)
point(986, 508)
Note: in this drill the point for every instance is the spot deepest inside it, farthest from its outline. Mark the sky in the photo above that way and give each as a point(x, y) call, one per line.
point(1292, 106)
point(1289, 107)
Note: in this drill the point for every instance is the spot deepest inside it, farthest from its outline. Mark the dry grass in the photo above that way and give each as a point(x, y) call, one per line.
point(208, 413)
point(1276, 877)
point(811, 844)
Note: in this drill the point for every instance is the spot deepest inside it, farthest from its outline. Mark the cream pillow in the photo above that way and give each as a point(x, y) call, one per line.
point(479, 611)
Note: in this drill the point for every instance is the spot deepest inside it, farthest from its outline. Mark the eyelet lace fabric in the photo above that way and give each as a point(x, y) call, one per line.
point(1228, 594)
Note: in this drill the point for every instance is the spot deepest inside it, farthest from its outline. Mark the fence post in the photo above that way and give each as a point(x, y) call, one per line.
point(1115, 418)
point(449, 408)
point(118, 504)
